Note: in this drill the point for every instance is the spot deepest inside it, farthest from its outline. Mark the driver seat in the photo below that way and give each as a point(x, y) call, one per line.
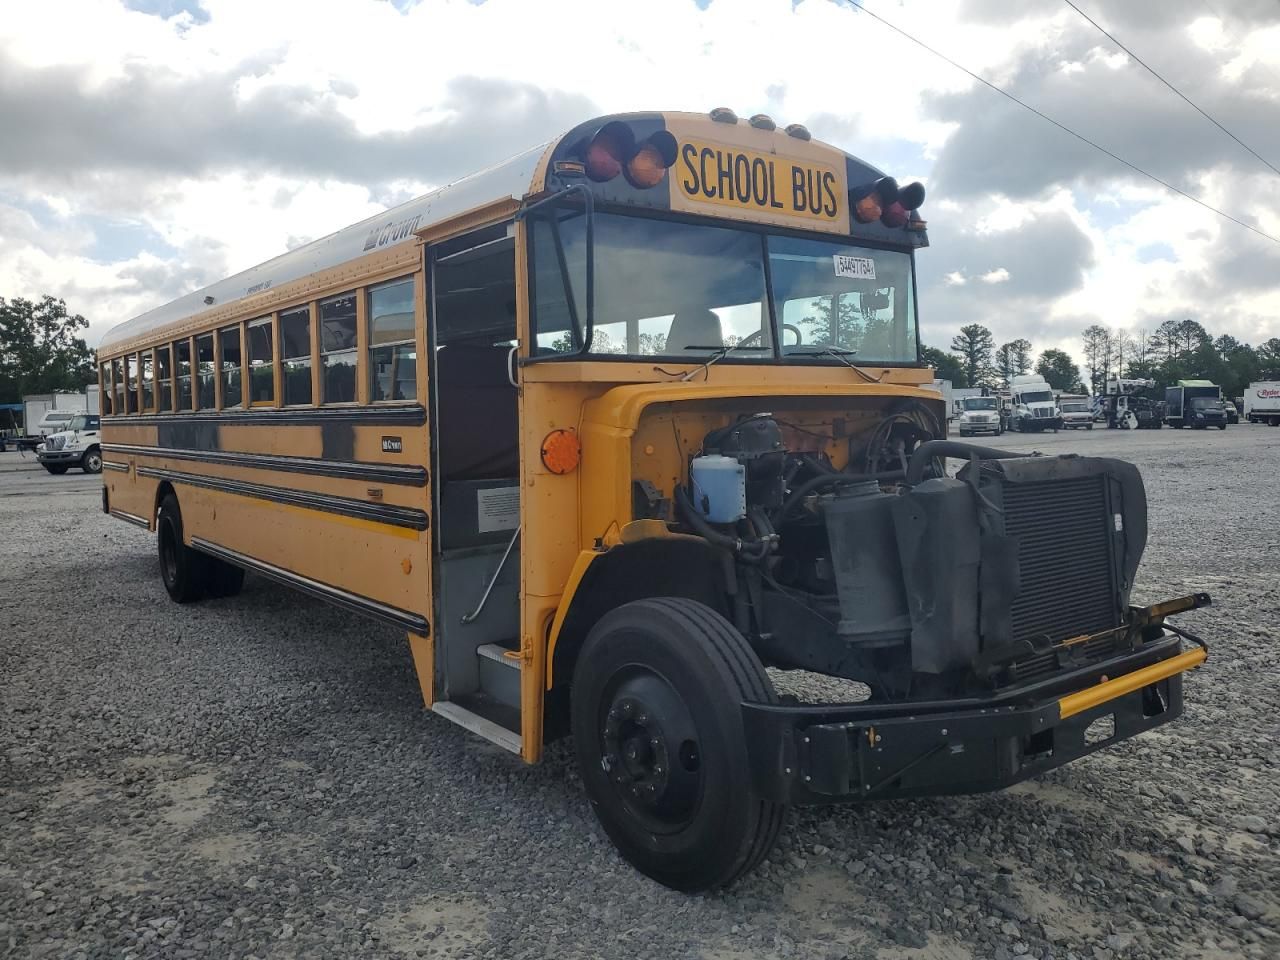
point(695, 328)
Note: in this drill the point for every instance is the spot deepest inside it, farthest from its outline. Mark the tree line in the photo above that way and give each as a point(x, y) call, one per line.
point(40, 349)
point(1176, 350)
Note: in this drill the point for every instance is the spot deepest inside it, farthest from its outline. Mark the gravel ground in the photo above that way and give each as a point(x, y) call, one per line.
point(257, 777)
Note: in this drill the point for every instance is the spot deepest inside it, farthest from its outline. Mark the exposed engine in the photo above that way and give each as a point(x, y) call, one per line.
point(893, 573)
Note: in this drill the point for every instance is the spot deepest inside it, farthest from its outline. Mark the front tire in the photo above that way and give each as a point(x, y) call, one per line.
point(181, 568)
point(91, 462)
point(658, 729)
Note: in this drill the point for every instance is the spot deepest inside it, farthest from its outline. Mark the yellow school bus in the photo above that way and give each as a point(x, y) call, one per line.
point(619, 432)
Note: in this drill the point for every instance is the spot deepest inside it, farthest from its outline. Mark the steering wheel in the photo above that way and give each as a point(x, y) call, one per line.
point(756, 334)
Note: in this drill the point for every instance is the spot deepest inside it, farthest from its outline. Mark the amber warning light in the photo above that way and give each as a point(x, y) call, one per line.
point(614, 151)
point(885, 201)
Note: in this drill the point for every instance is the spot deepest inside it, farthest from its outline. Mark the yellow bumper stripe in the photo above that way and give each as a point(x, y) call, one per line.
point(1100, 693)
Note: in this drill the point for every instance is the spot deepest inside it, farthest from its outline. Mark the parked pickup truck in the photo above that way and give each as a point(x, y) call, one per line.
point(80, 445)
point(1076, 413)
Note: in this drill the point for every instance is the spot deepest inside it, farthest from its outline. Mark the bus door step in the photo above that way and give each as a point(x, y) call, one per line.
point(499, 674)
point(494, 730)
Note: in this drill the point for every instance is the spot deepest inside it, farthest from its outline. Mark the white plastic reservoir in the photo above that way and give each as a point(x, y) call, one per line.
point(719, 488)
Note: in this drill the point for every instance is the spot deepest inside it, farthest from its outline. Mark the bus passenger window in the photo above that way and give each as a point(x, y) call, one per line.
point(229, 366)
point(295, 354)
point(338, 348)
point(164, 381)
point(131, 382)
point(183, 348)
point(117, 385)
point(262, 376)
point(148, 382)
point(105, 392)
point(393, 357)
point(207, 373)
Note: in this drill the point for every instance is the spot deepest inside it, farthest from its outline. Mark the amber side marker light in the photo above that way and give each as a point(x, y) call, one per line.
point(561, 451)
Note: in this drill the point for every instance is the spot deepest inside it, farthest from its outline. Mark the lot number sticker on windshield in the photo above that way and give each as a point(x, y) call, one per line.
point(860, 268)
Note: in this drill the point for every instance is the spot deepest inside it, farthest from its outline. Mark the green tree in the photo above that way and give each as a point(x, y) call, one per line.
point(1013, 359)
point(40, 350)
point(945, 366)
point(1097, 355)
point(1268, 354)
point(975, 344)
point(1059, 371)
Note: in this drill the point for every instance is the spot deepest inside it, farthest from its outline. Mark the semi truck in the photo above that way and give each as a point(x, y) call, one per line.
point(1196, 404)
point(1262, 402)
point(46, 413)
point(1032, 405)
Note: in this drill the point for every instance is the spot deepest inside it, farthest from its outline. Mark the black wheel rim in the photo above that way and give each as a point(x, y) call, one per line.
point(168, 555)
point(650, 750)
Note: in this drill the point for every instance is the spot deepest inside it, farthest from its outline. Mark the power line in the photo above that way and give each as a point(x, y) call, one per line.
point(1184, 97)
point(1081, 137)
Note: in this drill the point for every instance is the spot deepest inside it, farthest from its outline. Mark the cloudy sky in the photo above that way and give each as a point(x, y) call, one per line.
point(148, 147)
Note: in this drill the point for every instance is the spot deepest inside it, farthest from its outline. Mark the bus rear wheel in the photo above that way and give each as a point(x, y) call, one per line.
point(181, 568)
point(658, 730)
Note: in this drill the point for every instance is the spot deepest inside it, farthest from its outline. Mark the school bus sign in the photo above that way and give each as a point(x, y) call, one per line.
point(760, 183)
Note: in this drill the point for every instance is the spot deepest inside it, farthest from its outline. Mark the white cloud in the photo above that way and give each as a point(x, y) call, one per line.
point(387, 75)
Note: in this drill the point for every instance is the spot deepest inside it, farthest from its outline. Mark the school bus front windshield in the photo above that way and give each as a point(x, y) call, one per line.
point(683, 291)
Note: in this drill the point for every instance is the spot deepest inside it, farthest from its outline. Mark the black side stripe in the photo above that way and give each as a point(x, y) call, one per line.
point(136, 520)
point(415, 622)
point(112, 465)
point(414, 415)
point(409, 517)
point(412, 475)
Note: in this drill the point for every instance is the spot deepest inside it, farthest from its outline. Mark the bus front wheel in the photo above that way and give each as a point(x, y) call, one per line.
point(180, 566)
point(657, 725)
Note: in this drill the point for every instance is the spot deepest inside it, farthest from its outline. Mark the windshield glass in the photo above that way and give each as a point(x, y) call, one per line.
point(1206, 403)
point(1036, 396)
point(1075, 406)
point(683, 291)
point(980, 403)
point(83, 422)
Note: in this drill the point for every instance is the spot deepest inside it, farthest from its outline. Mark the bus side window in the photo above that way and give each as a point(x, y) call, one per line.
point(131, 383)
point(117, 385)
point(207, 373)
point(338, 348)
point(393, 356)
point(295, 355)
point(262, 376)
point(164, 379)
point(105, 394)
point(230, 363)
point(183, 348)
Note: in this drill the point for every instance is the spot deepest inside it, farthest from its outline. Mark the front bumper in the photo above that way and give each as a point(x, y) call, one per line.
point(831, 753)
point(59, 456)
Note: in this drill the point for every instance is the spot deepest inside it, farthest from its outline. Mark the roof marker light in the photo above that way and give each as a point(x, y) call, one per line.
point(724, 115)
point(799, 131)
point(762, 121)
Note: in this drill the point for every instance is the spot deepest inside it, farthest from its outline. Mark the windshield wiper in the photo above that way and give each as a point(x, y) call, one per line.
point(841, 354)
point(718, 354)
